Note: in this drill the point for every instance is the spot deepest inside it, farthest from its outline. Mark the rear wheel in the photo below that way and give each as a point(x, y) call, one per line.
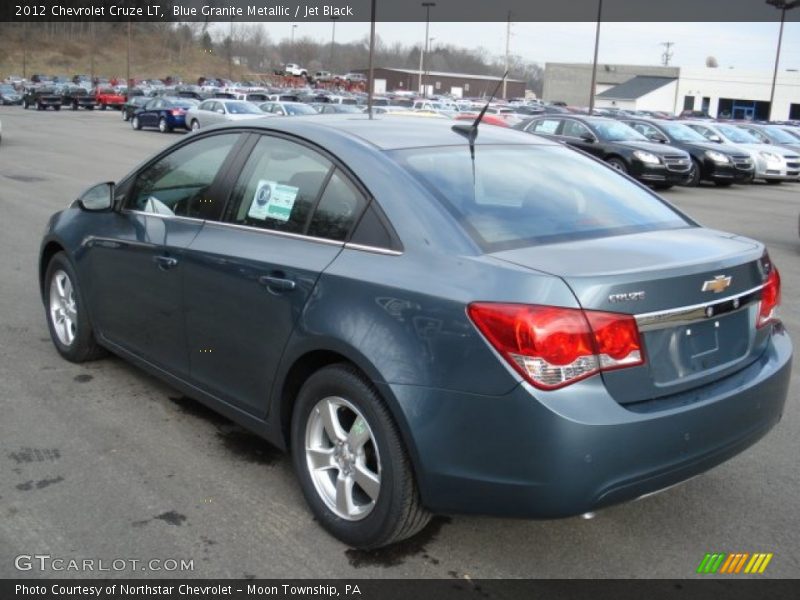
point(195, 125)
point(57, 107)
point(353, 468)
point(774, 181)
point(723, 184)
point(618, 164)
point(67, 318)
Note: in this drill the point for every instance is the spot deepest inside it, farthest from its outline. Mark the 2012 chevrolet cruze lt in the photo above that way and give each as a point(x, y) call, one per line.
point(506, 327)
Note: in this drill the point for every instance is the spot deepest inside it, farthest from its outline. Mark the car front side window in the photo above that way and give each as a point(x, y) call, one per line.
point(177, 184)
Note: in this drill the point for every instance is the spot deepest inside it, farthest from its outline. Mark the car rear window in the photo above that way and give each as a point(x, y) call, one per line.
point(531, 194)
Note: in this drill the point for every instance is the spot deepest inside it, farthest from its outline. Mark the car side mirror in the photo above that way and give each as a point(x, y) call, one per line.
point(715, 138)
point(657, 137)
point(220, 111)
point(588, 138)
point(98, 198)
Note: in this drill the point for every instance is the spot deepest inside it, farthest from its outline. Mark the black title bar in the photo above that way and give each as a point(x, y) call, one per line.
point(392, 10)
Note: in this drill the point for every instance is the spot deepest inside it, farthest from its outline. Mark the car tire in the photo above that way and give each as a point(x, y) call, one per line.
point(195, 125)
point(125, 116)
point(662, 186)
point(723, 184)
point(25, 104)
point(383, 511)
point(163, 127)
point(774, 181)
point(74, 106)
point(694, 175)
point(135, 124)
point(39, 107)
point(102, 107)
point(57, 108)
point(618, 164)
point(67, 318)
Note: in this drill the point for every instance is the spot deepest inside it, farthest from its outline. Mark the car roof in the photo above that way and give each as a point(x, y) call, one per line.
point(391, 133)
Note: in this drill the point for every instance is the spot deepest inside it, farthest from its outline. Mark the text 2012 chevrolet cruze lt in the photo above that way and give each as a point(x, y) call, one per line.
point(525, 332)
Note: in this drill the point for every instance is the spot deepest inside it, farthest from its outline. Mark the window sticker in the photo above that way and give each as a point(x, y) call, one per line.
point(273, 200)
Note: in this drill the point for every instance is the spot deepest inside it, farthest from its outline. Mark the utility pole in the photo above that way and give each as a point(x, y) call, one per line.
point(422, 57)
point(783, 6)
point(508, 46)
point(667, 55)
point(594, 63)
point(333, 40)
point(230, 52)
point(370, 84)
point(128, 59)
point(293, 28)
point(24, 50)
point(94, 50)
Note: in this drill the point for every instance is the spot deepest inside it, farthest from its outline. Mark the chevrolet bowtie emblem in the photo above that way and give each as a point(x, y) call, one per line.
point(720, 283)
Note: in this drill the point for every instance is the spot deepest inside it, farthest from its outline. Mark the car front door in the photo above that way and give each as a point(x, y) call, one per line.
point(136, 269)
point(577, 134)
point(249, 277)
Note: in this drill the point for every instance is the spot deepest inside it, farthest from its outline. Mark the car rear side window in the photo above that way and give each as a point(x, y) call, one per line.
point(279, 186)
point(177, 184)
point(341, 203)
point(535, 194)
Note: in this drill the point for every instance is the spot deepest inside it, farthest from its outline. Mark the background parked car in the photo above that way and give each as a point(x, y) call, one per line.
point(165, 113)
point(108, 97)
point(9, 95)
point(721, 163)
point(772, 134)
point(773, 164)
point(621, 146)
point(77, 97)
point(287, 109)
point(294, 70)
point(219, 110)
point(132, 105)
point(42, 98)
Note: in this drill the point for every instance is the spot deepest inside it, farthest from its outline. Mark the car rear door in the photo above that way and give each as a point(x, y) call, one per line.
point(249, 277)
point(136, 267)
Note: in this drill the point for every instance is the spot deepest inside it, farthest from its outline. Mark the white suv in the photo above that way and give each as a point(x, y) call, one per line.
point(293, 69)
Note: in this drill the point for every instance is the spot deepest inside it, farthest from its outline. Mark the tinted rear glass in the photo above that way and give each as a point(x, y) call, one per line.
point(526, 195)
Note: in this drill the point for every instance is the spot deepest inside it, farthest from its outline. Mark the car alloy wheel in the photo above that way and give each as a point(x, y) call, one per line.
point(618, 165)
point(195, 125)
point(694, 175)
point(63, 308)
point(135, 123)
point(162, 125)
point(342, 458)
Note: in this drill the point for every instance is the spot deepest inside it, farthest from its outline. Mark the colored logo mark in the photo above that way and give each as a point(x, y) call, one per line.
point(735, 563)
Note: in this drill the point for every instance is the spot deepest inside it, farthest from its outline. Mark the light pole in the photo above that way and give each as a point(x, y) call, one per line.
point(422, 56)
point(333, 39)
point(783, 6)
point(594, 63)
point(370, 87)
point(293, 28)
point(128, 59)
point(24, 50)
point(230, 53)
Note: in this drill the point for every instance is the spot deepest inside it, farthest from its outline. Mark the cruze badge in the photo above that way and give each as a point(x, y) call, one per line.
point(720, 283)
point(626, 297)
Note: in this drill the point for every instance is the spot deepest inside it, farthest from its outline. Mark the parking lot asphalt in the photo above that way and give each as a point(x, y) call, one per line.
point(103, 461)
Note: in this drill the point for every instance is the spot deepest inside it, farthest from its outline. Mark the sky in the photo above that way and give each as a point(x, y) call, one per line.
point(745, 46)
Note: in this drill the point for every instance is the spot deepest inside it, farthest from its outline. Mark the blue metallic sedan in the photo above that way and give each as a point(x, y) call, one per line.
point(431, 318)
point(165, 113)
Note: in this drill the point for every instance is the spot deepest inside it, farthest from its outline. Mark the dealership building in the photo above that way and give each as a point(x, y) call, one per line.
point(460, 85)
point(726, 93)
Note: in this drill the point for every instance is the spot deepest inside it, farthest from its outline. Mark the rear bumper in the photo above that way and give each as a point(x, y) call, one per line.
point(567, 452)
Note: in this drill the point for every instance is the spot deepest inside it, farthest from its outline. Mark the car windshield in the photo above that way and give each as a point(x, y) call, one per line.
point(527, 195)
point(779, 135)
point(7, 89)
point(614, 131)
point(682, 133)
point(299, 109)
point(737, 136)
point(242, 108)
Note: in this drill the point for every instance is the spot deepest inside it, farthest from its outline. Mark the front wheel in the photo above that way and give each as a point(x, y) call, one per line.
point(125, 116)
point(135, 124)
point(723, 184)
point(351, 462)
point(774, 181)
point(195, 125)
point(694, 174)
point(67, 318)
point(618, 164)
point(163, 127)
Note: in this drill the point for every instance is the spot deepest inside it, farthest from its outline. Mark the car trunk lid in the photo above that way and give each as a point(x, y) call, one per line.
point(694, 292)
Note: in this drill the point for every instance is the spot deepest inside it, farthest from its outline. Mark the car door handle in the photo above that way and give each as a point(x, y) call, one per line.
point(277, 283)
point(165, 262)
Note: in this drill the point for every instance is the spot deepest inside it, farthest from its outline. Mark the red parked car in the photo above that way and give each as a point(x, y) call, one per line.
point(105, 97)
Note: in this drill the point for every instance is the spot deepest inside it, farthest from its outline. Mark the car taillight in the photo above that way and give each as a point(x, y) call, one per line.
point(770, 299)
point(552, 347)
point(176, 112)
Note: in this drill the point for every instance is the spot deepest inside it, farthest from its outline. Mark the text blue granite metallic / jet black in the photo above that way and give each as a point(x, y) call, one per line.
point(525, 332)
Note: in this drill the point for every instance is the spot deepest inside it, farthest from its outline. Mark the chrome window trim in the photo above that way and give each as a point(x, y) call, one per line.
point(373, 249)
point(286, 234)
point(686, 315)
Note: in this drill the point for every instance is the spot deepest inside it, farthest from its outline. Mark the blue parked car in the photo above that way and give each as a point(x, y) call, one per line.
point(165, 113)
point(429, 321)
